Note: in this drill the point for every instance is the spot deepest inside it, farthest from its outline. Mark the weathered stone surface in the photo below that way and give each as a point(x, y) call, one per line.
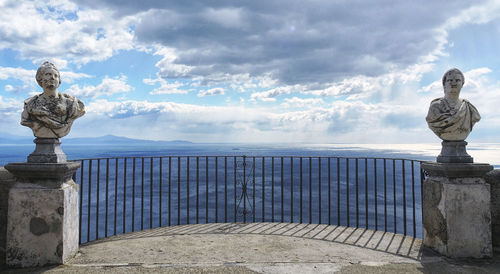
point(48, 150)
point(37, 233)
point(51, 175)
point(51, 114)
point(450, 117)
point(6, 182)
point(493, 178)
point(457, 220)
point(456, 170)
point(454, 152)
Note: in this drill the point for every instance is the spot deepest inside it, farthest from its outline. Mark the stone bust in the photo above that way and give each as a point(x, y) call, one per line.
point(450, 117)
point(50, 114)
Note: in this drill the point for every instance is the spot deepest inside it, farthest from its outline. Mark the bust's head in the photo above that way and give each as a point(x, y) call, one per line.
point(453, 80)
point(48, 75)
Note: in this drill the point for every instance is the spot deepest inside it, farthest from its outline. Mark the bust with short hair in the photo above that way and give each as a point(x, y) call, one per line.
point(50, 114)
point(450, 117)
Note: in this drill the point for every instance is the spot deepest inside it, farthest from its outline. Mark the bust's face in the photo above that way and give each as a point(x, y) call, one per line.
point(453, 84)
point(50, 79)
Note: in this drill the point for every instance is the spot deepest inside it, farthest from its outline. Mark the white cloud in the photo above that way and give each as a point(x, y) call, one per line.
point(165, 87)
point(300, 103)
point(107, 87)
point(210, 92)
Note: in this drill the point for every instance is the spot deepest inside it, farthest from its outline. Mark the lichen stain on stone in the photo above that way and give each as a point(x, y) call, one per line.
point(433, 221)
point(60, 210)
point(38, 226)
point(60, 249)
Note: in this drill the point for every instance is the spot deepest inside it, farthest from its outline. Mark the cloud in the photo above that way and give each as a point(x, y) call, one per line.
point(107, 87)
point(210, 92)
point(50, 29)
point(300, 103)
point(165, 87)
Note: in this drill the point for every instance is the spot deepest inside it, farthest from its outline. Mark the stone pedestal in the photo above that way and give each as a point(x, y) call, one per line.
point(42, 227)
point(47, 150)
point(454, 152)
point(456, 210)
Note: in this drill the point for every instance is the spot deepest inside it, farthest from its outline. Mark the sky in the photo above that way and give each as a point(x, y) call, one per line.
point(253, 71)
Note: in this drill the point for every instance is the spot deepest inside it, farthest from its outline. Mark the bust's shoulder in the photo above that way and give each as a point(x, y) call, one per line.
point(437, 102)
point(67, 96)
point(31, 99)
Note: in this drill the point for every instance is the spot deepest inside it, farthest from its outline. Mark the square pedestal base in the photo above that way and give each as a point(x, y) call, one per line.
point(42, 226)
point(456, 216)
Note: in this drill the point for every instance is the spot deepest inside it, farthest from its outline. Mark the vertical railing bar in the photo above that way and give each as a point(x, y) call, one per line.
point(347, 191)
point(272, 189)
point(133, 194)
point(301, 189)
point(187, 189)
point(160, 211)
point(142, 193)
point(206, 189)
point(413, 196)
point(225, 189)
point(282, 192)
point(82, 162)
point(375, 193)
point(291, 189)
point(366, 193)
point(357, 193)
point(422, 177)
point(197, 189)
point(89, 200)
point(385, 196)
point(253, 190)
point(244, 189)
point(124, 213)
point(216, 189)
point(310, 190)
point(169, 190)
point(106, 198)
point(404, 196)
point(234, 189)
point(338, 191)
point(263, 190)
point(151, 193)
point(329, 192)
point(98, 198)
point(178, 190)
point(116, 194)
point(319, 189)
point(394, 194)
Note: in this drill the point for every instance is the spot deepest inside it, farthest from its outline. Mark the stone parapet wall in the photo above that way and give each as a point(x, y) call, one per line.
point(493, 178)
point(6, 182)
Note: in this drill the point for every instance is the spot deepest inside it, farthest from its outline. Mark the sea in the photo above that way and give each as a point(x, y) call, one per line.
point(135, 203)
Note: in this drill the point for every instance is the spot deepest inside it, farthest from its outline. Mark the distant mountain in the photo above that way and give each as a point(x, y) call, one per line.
point(102, 140)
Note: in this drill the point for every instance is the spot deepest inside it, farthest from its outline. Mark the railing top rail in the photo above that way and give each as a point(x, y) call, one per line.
point(249, 156)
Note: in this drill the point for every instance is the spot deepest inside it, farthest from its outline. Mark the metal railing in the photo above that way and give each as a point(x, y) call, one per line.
point(120, 195)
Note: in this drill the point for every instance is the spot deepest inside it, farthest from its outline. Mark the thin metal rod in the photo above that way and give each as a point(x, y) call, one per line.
point(133, 194)
point(244, 189)
point(106, 198)
point(413, 197)
point(263, 190)
point(385, 196)
point(348, 215)
point(225, 189)
point(338, 191)
point(394, 194)
point(291, 189)
point(310, 190)
point(282, 192)
point(234, 189)
point(375, 193)
point(98, 198)
point(301, 189)
point(404, 197)
point(142, 193)
point(160, 211)
point(206, 189)
point(253, 190)
point(169, 190)
point(366, 193)
point(319, 189)
point(116, 195)
point(89, 200)
point(357, 193)
point(197, 189)
point(272, 189)
point(151, 182)
point(187, 188)
point(216, 189)
point(82, 162)
point(329, 192)
point(124, 213)
point(178, 190)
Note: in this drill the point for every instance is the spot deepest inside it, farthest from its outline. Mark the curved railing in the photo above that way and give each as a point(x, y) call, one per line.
point(125, 194)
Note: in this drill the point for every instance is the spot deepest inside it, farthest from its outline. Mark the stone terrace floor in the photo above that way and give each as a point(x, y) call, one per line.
point(262, 248)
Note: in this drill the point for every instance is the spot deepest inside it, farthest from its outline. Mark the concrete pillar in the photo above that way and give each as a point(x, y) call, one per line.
point(456, 209)
point(42, 226)
point(493, 179)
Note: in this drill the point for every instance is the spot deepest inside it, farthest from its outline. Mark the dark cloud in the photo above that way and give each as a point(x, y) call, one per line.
point(294, 41)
